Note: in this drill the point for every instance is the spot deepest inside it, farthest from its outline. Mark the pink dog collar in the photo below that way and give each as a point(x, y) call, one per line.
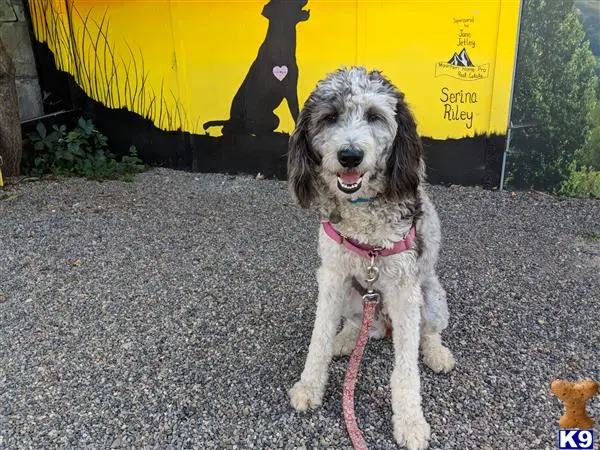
point(367, 251)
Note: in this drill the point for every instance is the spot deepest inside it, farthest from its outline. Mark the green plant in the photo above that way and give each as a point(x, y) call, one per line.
point(581, 182)
point(555, 88)
point(589, 154)
point(83, 152)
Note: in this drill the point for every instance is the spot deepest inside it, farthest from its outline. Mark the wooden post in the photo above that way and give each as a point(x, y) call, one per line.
point(11, 144)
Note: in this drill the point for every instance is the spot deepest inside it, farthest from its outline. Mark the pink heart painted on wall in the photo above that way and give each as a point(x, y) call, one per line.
point(280, 72)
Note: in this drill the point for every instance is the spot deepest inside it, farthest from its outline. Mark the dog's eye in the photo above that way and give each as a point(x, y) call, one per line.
point(330, 118)
point(373, 116)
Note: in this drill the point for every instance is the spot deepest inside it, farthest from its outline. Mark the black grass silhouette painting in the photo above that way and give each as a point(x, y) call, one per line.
point(273, 76)
point(83, 46)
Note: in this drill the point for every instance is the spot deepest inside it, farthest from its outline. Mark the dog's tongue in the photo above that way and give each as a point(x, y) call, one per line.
point(350, 177)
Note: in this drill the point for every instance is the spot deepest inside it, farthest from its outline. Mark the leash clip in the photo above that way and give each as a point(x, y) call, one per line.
point(372, 272)
point(372, 296)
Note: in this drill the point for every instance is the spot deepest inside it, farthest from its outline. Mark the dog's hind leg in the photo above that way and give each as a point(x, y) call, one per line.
point(434, 319)
point(434, 312)
point(264, 124)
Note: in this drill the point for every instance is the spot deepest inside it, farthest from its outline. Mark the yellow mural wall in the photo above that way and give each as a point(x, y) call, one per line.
point(180, 62)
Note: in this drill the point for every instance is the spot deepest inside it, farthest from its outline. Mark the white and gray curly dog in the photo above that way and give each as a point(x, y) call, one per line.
point(356, 153)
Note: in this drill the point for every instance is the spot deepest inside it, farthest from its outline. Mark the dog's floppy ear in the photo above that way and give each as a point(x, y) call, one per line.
point(404, 164)
point(302, 162)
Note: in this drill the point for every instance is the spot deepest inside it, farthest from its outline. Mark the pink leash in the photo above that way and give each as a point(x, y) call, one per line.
point(371, 299)
point(358, 442)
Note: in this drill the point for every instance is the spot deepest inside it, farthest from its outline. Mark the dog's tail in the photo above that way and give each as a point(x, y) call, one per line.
point(215, 123)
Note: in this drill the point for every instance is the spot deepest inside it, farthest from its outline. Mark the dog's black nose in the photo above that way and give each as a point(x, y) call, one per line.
point(350, 157)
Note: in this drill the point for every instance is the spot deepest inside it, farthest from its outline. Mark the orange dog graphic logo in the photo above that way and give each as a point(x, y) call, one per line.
point(574, 396)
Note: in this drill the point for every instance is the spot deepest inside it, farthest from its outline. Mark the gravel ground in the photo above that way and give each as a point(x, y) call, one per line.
point(176, 310)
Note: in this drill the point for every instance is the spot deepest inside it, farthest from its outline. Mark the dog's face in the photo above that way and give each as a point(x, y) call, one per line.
point(286, 10)
point(355, 137)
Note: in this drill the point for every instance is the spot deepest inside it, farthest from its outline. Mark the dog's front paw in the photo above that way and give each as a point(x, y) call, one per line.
point(439, 359)
point(303, 397)
point(412, 432)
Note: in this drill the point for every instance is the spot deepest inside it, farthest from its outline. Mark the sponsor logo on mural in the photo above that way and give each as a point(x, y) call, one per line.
point(460, 65)
point(458, 104)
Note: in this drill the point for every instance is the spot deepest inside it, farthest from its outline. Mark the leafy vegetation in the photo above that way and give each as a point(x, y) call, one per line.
point(589, 155)
point(583, 176)
point(581, 182)
point(82, 151)
point(556, 89)
point(590, 19)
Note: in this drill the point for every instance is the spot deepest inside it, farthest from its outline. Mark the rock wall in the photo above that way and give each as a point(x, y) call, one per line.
point(14, 33)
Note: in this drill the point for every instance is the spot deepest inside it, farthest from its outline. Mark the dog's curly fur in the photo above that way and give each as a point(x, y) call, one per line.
point(360, 109)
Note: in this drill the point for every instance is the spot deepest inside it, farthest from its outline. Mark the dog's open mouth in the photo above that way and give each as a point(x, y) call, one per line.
point(349, 182)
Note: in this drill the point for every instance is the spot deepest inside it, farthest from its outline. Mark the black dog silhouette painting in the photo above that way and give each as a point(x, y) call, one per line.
point(273, 76)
